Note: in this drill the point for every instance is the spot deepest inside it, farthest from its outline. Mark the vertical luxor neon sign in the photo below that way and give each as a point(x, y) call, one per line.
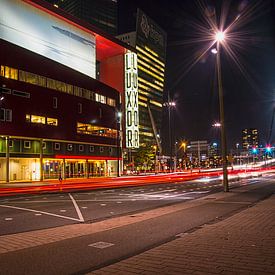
point(131, 101)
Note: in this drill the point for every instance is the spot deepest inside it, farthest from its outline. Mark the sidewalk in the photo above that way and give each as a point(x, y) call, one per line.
point(241, 244)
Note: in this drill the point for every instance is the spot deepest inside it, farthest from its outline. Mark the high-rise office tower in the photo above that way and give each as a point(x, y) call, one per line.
point(250, 138)
point(99, 13)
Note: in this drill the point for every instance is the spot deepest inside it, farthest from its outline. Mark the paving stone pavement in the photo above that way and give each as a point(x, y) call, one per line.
point(241, 244)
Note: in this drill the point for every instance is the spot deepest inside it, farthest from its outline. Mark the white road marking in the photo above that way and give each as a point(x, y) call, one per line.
point(84, 207)
point(118, 202)
point(77, 208)
point(38, 214)
point(103, 204)
point(63, 210)
point(42, 212)
point(8, 219)
point(152, 193)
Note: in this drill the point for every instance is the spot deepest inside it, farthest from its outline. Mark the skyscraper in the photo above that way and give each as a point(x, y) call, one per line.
point(250, 138)
point(150, 42)
point(99, 13)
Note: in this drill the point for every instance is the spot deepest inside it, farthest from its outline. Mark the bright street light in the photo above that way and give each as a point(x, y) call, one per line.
point(214, 51)
point(217, 124)
point(219, 36)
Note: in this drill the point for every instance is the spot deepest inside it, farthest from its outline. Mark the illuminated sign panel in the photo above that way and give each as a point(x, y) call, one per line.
point(131, 101)
point(43, 33)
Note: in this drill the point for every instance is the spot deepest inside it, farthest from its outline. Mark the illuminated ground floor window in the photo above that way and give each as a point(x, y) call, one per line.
point(28, 169)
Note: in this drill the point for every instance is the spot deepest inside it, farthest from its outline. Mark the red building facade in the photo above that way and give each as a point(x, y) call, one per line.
point(56, 119)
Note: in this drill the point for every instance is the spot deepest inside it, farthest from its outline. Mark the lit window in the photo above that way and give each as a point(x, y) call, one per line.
point(28, 118)
point(52, 121)
point(89, 129)
point(38, 119)
point(57, 146)
point(2, 70)
point(70, 147)
point(111, 102)
point(27, 144)
point(10, 73)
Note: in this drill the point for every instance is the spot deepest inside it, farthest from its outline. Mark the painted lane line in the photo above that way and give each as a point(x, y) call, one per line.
point(84, 207)
point(63, 210)
point(38, 214)
point(77, 208)
point(8, 219)
point(41, 212)
point(103, 204)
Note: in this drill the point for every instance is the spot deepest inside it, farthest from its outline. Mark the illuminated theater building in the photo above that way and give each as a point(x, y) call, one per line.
point(62, 84)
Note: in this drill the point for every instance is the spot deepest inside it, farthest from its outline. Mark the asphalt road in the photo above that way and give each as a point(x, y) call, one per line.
point(79, 255)
point(32, 212)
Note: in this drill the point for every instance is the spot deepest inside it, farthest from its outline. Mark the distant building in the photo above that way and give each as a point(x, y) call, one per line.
point(198, 151)
point(250, 138)
point(150, 42)
point(99, 13)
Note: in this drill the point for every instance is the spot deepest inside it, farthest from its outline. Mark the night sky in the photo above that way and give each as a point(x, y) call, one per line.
point(248, 96)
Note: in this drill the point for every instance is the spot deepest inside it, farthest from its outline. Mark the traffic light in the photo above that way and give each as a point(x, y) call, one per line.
point(268, 149)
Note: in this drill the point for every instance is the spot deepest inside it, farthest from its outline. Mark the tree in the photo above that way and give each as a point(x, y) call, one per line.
point(144, 157)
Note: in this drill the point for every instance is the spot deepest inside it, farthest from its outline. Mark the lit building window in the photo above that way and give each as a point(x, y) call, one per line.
point(41, 120)
point(89, 129)
point(9, 72)
point(52, 121)
point(35, 119)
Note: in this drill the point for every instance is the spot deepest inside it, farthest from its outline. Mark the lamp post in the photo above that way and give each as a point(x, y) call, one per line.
point(220, 37)
point(119, 114)
point(170, 104)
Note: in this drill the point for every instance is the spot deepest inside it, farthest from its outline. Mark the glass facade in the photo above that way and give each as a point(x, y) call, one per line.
point(100, 13)
point(49, 83)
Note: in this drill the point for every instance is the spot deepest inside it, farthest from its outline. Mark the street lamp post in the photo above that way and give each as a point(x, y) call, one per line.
point(119, 114)
point(220, 36)
point(170, 104)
